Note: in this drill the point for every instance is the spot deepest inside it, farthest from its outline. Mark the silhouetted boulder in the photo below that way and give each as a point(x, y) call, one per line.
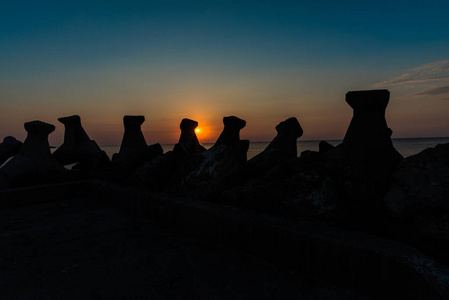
point(158, 172)
point(133, 151)
point(324, 147)
point(281, 148)
point(303, 187)
point(133, 136)
point(33, 164)
point(79, 148)
point(280, 182)
point(168, 172)
point(368, 135)
point(222, 165)
point(230, 136)
point(9, 148)
point(231, 131)
point(418, 201)
point(188, 141)
point(368, 158)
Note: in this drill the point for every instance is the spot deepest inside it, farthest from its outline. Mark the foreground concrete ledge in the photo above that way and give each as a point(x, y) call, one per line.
point(356, 260)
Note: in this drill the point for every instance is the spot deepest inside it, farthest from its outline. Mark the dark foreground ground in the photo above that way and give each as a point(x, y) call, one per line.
point(82, 249)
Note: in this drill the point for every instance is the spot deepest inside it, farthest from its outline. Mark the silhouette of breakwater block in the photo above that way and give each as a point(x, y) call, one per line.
point(222, 165)
point(188, 141)
point(367, 158)
point(282, 147)
point(231, 131)
point(230, 136)
point(285, 141)
point(8, 148)
point(168, 171)
point(134, 150)
point(368, 132)
point(33, 164)
point(79, 148)
point(324, 147)
point(368, 135)
point(417, 202)
point(133, 136)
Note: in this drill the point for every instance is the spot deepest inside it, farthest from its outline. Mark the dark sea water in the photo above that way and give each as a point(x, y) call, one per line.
point(405, 146)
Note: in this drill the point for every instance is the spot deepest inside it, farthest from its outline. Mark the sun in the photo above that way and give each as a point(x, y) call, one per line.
point(197, 130)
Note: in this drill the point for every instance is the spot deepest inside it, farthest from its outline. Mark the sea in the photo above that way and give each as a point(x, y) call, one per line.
point(405, 146)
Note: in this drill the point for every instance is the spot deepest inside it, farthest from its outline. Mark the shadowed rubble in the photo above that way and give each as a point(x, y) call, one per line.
point(368, 135)
point(363, 183)
point(368, 158)
point(281, 148)
point(188, 141)
point(9, 148)
point(133, 150)
point(79, 148)
point(222, 166)
point(167, 172)
point(33, 164)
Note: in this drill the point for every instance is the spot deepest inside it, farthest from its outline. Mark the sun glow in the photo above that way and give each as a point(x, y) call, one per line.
point(203, 133)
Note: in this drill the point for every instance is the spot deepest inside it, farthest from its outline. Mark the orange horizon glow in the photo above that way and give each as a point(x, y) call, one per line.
point(205, 133)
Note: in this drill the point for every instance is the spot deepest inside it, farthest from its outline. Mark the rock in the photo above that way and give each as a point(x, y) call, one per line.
point(285, 141)
point(157, 173)
point(368, 158)
point(188, 140)
point(168, 172)
point(418, 201)
point(304, 187)
point(134, 150)
point(187, 154)
point(324, 147)
point(9, 148)
point(79, 148)
point(368, 135)
point(222, 165)
point(33, 164)
point(133, 136)
point(230, 135)
point(281, 148)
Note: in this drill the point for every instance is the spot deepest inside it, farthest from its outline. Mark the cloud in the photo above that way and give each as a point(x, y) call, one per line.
point(435, 91)
point(429, 72)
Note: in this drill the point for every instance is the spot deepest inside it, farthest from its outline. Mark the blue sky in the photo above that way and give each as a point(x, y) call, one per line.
point(263, 61)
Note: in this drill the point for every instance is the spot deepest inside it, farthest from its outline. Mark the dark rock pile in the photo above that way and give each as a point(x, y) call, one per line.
point(363, 183)
point(281, 148)
point(79, 149)
point(222, 166)
point(168, 171)
point(9, 148)
point(134, 150)
point(367, 156)
point(33, 164)
point(418, 201)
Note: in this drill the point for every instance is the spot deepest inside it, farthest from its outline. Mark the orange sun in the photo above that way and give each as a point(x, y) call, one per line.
point(197, 130)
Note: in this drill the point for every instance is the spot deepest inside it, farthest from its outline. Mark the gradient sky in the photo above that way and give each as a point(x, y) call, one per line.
point(263, 61)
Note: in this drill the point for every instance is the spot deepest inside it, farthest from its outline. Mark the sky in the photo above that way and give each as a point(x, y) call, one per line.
point(262, 61)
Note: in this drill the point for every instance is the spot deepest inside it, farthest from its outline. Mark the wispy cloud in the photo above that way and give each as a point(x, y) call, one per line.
point(429, 72)
point(435, 91)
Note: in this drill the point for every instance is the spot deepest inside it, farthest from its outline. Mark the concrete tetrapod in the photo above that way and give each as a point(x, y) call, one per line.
point(33, 164)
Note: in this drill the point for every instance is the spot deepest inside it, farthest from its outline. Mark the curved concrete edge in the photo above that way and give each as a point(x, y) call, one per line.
point(356, 260)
